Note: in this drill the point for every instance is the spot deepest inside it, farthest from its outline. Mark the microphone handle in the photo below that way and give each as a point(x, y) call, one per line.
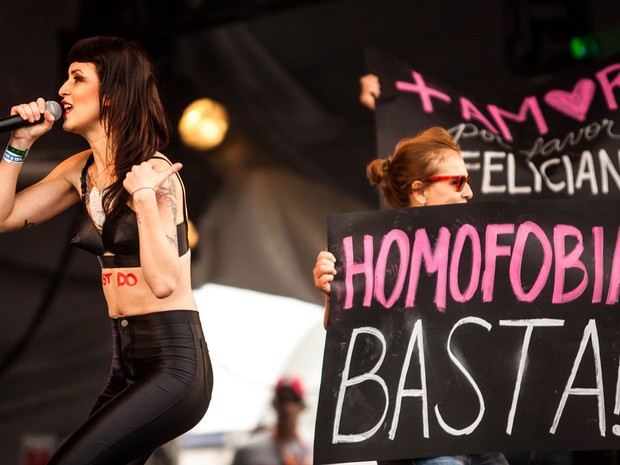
point(13, 122)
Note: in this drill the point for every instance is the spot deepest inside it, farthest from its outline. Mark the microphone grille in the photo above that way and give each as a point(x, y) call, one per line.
point(54, 108)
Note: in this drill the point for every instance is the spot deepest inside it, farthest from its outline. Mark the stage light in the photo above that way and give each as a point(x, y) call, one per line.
point(584, 46)
point(204, 124)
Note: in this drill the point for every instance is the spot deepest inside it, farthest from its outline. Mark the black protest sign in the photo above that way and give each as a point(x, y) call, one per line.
point(477, 328)
point(558, 140)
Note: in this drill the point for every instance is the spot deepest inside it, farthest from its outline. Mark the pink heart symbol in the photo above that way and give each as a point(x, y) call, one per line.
point(574, 104)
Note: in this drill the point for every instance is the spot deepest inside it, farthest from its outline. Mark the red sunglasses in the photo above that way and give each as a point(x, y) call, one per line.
point(460, 181)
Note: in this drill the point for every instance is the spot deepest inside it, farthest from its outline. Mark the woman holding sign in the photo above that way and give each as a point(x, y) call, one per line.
point(133, 218)
point(423, 171)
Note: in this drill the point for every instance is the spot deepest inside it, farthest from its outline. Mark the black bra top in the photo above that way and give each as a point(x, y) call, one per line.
point(118, 236)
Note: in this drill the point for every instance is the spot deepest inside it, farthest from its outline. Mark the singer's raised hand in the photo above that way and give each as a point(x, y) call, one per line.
point(32, 112)
point(144, 176)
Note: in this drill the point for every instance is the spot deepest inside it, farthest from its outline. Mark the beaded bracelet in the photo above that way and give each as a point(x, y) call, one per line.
point(14, 155)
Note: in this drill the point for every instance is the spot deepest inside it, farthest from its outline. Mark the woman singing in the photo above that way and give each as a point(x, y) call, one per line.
point(133, 217)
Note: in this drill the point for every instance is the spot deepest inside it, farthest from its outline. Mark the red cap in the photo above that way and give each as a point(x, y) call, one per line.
point(293, 383)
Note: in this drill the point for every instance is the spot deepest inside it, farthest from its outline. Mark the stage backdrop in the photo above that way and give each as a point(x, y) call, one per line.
point(462, 329)
point(559, 140)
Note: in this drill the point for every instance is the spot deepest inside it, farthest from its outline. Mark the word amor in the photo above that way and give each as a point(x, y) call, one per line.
point(574, 104)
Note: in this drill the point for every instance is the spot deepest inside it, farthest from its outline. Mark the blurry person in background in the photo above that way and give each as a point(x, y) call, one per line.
point(281, 444)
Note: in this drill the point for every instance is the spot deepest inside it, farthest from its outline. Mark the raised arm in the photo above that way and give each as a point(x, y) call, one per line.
point(48, 197)
point(157, 200)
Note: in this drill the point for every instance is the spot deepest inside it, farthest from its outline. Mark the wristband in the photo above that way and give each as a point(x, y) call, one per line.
point(13, 155)
point(18, 152)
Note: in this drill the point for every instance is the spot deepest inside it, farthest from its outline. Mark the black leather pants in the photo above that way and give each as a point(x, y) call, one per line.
point(159, 387)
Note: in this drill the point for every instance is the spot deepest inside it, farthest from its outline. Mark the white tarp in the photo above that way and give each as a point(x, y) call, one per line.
point(255, 338)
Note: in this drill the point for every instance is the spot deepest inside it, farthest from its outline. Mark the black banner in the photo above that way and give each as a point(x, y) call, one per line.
point(560, 140)
point(462, 329)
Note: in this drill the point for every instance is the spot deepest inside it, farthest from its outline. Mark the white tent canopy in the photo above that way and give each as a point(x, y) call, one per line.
point(255, 338)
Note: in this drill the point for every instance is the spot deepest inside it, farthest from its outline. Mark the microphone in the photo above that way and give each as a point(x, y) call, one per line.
point(12, 122)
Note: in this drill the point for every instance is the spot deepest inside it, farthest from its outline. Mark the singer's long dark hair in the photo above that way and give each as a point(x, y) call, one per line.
point(131, 111)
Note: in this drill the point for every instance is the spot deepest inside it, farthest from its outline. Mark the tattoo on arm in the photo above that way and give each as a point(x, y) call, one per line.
point(167, 196)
